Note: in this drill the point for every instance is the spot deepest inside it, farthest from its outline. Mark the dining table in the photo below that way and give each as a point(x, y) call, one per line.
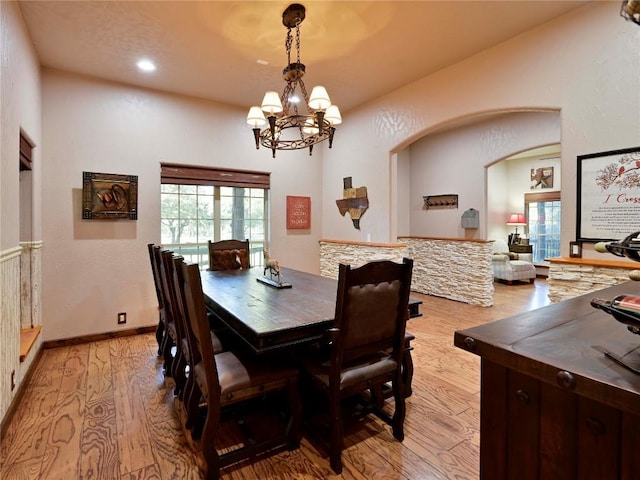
point(268, 318)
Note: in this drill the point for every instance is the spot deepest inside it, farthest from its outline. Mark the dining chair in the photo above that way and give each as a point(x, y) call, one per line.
point(156, 283)
point(366, 346)
point(227, 379)
point(229, 254)
point(190, 395)
point(168, 341)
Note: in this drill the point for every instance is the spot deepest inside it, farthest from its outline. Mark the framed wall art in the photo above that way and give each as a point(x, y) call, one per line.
point(541, 178)
point(575, 249)
point(107, 196)
point(608, 203)
point(298, 212)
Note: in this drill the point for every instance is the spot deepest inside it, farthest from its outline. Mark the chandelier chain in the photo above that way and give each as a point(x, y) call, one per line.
point(287, 45)
point(298, 42)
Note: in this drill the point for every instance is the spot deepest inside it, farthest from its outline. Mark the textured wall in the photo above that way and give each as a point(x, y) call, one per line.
point(30, 284)
point(333, 253)
point(450, 268)
point(131, 131)
point(578, 64)
point(437, 162)
point(20, 112)
point(9, 323)
point(572, 280)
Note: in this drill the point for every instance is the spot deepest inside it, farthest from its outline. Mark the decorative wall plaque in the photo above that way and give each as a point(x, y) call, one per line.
point(354, 201)
point(298, 212)
point(106, 195)
point(541, 178)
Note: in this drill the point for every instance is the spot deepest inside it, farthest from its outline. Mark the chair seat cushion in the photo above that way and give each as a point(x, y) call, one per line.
point(237, 373)
point(521, 266)
point(355, 372)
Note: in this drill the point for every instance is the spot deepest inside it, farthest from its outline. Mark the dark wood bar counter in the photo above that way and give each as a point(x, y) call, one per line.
point(553, 406)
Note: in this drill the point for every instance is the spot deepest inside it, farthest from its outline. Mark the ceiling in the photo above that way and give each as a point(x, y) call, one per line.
point(209, 49)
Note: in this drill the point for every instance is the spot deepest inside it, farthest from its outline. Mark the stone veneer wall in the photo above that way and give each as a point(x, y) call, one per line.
point(333, 253)
point(572, 277)
point(457, 269)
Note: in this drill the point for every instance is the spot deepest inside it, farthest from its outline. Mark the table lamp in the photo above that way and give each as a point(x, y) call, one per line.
point(516, 219)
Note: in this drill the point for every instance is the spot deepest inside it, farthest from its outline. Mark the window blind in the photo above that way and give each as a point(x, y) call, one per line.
point(223, 177)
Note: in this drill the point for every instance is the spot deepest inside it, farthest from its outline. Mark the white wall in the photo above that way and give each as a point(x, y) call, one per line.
point(584, 64)
point(20, 95)
point(19, 108)
point(454, 162)
point(93, 269)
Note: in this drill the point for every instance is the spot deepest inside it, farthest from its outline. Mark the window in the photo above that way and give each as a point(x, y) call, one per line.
point(543, 216)
point(199, 204)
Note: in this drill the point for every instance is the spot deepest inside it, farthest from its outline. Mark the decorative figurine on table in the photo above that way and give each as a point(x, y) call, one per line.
point(272, 265)
point(624, 308)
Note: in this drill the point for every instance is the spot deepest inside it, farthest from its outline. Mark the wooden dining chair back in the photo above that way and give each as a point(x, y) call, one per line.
point(190, 395)
point(229, 254)
point(176, 326)
point(168, 339)
point(228, 378)
point(156, 283)
point(367, 343)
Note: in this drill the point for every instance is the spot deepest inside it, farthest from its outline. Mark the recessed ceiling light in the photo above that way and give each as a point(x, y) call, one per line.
point(262, 62)
point(146, 65)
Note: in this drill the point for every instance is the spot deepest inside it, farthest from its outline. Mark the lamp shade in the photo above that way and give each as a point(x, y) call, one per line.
point(333, 116)
point(271, 103)
point(255, 117)
point(517, 219)
point(310, 128)
point(631, 7)
point(319, 99)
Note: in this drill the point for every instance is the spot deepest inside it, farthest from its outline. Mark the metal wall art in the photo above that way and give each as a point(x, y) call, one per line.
point(354, 201)
point(106, 195)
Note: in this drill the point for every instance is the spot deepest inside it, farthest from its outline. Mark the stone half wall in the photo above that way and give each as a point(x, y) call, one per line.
point(457, 269)
point(572, 277)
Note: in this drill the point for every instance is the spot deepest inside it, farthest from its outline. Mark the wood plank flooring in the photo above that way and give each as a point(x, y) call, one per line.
point(102, 410)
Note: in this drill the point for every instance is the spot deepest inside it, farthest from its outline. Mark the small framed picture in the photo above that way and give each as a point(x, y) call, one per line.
point(575, 249)
point(298, 212)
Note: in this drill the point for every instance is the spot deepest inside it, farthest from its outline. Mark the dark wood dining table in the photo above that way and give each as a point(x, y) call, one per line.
point(268, 318)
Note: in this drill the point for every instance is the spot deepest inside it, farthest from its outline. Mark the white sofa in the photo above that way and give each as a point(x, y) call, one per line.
point(509, 269)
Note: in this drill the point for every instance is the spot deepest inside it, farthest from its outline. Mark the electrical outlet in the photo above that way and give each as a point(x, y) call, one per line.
point(122, 318)
point(13, 379)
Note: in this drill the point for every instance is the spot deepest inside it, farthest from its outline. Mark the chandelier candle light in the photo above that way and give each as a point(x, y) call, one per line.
point(287, 129)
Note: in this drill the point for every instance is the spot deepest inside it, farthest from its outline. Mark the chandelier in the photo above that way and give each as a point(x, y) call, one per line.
point(630, 10)
point(285, 127)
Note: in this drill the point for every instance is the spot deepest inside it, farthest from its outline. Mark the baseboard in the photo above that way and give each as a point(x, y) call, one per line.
point(96, 337)
point(19, 394)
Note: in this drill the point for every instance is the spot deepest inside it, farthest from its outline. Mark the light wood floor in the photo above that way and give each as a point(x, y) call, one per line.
point(102, 411)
